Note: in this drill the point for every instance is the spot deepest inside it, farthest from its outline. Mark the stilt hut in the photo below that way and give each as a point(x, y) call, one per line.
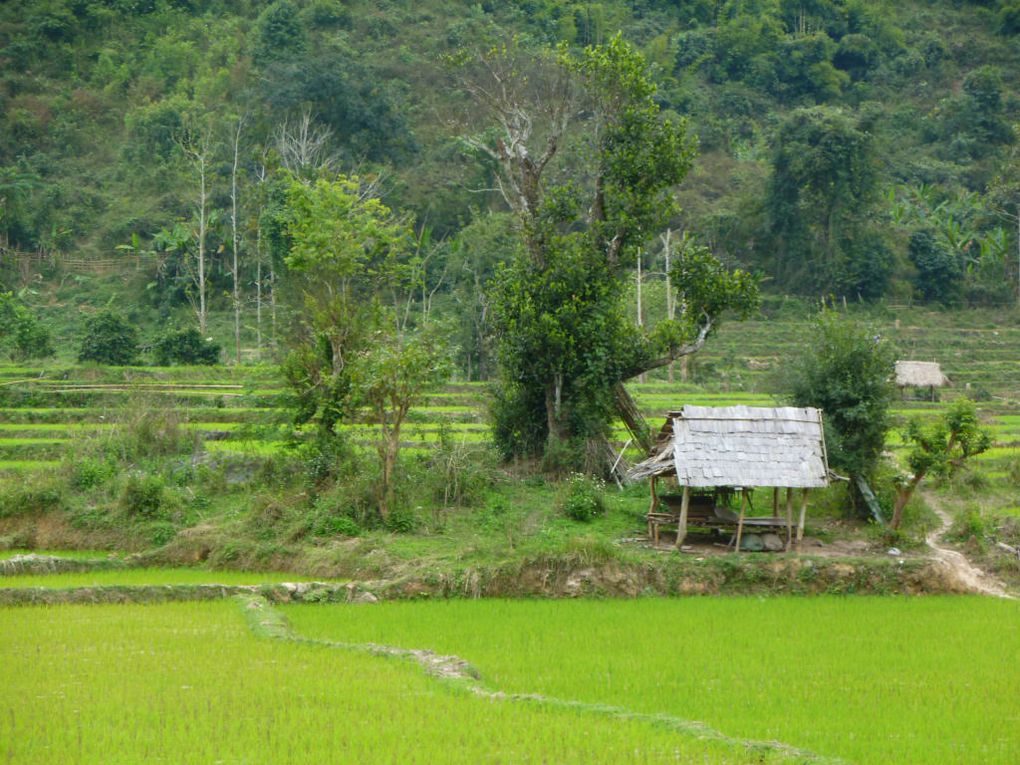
point(920, 374)
point(714, 453)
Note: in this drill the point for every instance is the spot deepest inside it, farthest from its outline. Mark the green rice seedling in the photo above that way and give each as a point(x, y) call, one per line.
point(867, 680)
point(190, 683)
point(24, 466)
point(148, 576)
point(75, 554)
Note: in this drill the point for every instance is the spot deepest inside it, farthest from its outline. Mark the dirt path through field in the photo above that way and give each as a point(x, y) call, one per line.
point(966, 573)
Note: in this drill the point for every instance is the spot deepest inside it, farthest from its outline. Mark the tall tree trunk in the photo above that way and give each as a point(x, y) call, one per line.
point(903, 495)
point(640, 314)
point(556, 422)
point(202, 201)
point(235, 271)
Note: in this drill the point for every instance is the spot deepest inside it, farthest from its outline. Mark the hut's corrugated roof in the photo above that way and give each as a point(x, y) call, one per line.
point(740, 446)
point(922, 374)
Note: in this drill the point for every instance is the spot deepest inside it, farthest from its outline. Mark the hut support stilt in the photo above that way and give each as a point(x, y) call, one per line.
point(789, 519)
point(740, 523)
point(775, 502)
point(653, 529)
point(681, 527)
point(803, 512)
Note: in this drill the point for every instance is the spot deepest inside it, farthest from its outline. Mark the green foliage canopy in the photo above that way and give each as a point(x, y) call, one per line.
point(109, 339)
point(563, 342)
point(847, 372)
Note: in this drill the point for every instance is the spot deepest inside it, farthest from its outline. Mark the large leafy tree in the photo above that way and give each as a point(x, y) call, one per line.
point(588, 165)
point(352, 264)
point(846, 371)
point(823, 186)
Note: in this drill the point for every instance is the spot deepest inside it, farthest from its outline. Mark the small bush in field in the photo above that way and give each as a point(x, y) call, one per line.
point(38, 495)
point(89, 473)
point(185, 346)
point(583, 499)
point(144, 495)
point(109, 339)
point(401, 520)
point(336, 526)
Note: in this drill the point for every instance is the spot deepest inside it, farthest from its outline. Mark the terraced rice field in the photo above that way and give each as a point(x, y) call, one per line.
point(241, 412)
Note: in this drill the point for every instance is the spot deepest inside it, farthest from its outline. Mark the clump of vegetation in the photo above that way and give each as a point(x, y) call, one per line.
point(846, 371)
point(89, 472)
point(940, 449)
point(185, 346)
point(583, 498)
point(22, 335)
point(109, 339)
point(145, 496)
point(42, 493)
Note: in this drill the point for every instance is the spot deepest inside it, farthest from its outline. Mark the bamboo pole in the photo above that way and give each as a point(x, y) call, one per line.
point(681, 528)
point(803, 512)
point(740, 523)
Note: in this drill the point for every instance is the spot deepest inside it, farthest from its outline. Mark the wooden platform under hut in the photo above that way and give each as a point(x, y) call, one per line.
point(718, 455)
point(920, 374)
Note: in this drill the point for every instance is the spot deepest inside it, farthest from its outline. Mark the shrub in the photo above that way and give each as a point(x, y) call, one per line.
point(1013, 472)
point(185, 346)
point(109, 339)
point(336, 526)
point(40, 494)
point(144, 495)
point(88, 472)
point(153, 430)
point(583, 499)
point(401, 520)
point(21, 334)
point(161, 532)
point(970, 525)
point(846, 372)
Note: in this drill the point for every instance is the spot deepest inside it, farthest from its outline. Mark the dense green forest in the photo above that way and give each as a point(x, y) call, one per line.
point(865, 150)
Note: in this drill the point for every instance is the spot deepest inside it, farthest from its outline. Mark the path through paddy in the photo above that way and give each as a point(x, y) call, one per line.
point(268, 622)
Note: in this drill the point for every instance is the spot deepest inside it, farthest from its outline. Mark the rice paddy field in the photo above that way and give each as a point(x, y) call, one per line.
point(865, 680)
point(147, 576)
point(838, 680)
point(191, 683)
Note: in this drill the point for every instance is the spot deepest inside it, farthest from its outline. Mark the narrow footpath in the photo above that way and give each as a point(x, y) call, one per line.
point(966, 573)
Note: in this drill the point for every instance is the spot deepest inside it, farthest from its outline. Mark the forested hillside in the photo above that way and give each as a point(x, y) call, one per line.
point(865, 150)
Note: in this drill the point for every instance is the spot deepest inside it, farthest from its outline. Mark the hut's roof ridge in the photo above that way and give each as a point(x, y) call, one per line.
point(740, 446)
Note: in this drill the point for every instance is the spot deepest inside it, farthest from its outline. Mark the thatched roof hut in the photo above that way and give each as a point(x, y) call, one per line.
point(920, 374)
point(739, 447)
